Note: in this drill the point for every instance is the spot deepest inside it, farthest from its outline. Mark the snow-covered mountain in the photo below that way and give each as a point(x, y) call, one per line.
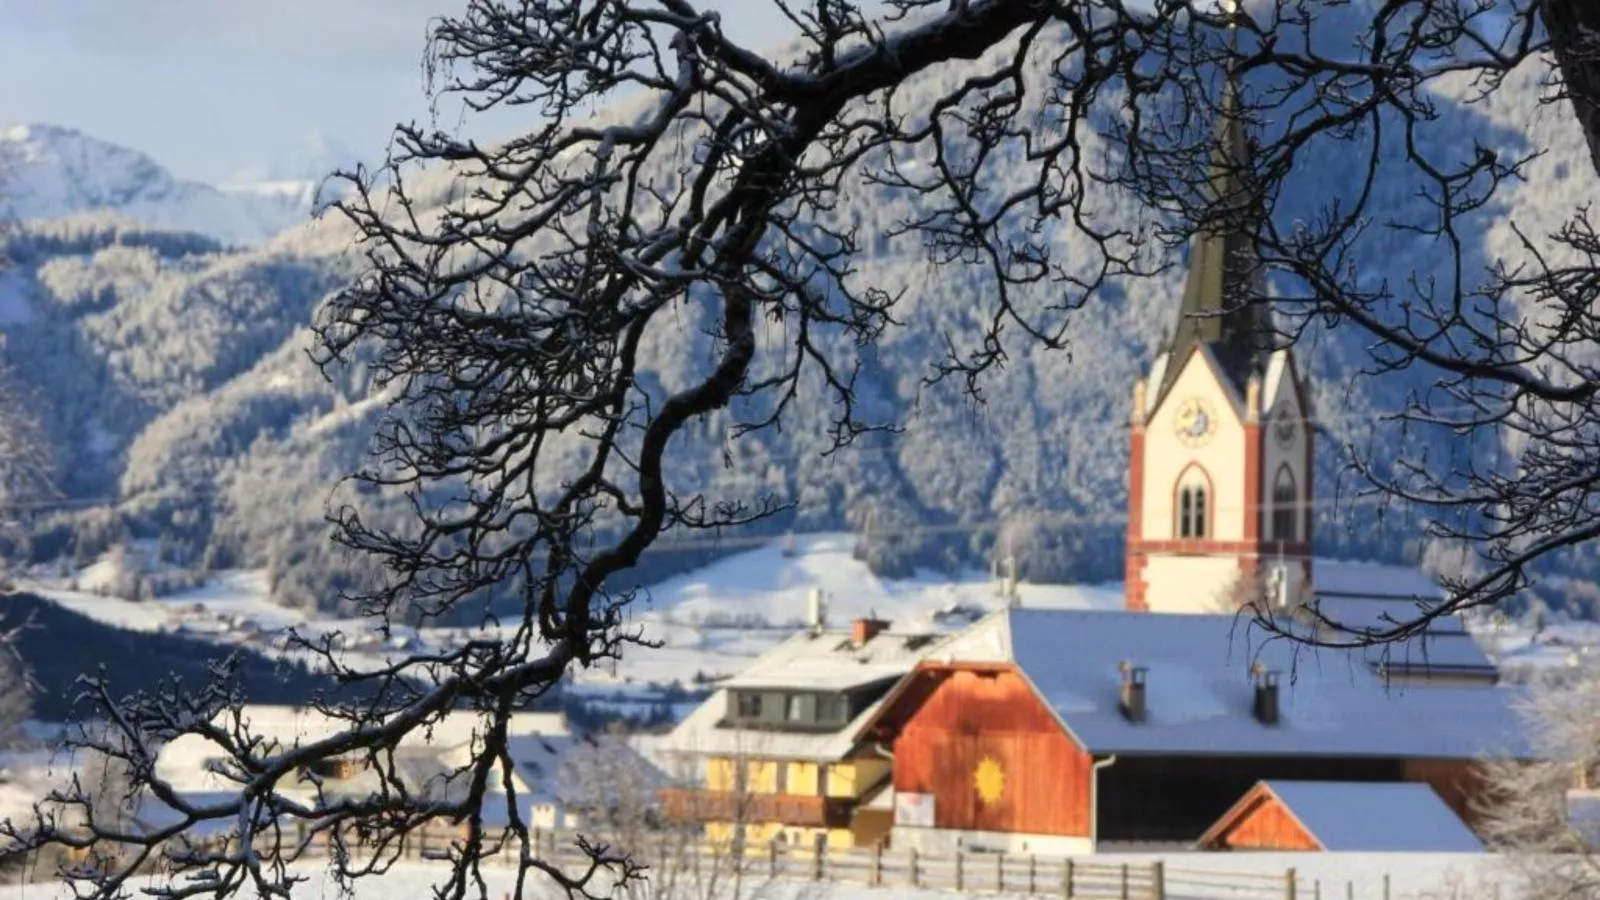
point(175, 380)
point(50, 172)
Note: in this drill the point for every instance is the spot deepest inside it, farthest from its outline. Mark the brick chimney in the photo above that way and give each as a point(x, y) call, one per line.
point(865, 629)
point(1131, 697)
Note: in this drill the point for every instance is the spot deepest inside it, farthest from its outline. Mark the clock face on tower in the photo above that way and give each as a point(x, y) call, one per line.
point(1284, 431)
point(1195, 423)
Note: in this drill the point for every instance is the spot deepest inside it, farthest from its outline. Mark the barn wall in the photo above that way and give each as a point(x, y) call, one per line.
point(1266, 825)
point(991, 723)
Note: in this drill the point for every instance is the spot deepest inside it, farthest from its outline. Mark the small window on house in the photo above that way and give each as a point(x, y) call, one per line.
point(794, 708)
point(1192, 506)
point(748, 705)
point(830, 709)
point(1284, 497)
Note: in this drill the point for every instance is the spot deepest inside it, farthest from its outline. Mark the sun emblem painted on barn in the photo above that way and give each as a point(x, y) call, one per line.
point(990, 780)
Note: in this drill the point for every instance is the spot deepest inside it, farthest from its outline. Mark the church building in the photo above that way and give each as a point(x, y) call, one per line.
point(1219, 497)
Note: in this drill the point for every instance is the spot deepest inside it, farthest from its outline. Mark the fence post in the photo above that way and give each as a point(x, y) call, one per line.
point(1033, 874)
point(912, 867)
point(819, 857)
point(1066, 880)
point(1316, 889)
point(960, 882)
point(1158, 880)
point(1386, 886)
point(1000, 872)
point(772, 858)
point(1288, 885)
point(1349, 890)
point(877, 863)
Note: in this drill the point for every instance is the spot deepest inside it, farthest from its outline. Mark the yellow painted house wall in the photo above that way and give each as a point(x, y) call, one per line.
point(720, 775)
point(851, 777)
point(802, 779)
point(763, 775)
point(847, 779)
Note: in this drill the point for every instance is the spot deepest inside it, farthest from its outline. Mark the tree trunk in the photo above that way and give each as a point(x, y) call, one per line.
point(1574, 27)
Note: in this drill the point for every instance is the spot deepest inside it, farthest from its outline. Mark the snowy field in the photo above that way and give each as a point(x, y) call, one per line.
point(711, 623)
point(1329, 876)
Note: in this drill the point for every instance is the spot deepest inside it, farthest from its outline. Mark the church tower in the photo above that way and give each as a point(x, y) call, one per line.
point(1219, 493)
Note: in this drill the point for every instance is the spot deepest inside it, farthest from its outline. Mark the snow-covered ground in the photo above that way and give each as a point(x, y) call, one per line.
point(1411, 877)
point(710, 623)
point(1522, 651)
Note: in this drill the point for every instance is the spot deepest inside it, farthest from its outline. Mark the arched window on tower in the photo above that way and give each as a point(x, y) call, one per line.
point(1193, 503)
point(1285, 505)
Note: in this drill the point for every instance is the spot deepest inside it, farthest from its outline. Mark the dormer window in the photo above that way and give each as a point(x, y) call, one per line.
point(748, 704)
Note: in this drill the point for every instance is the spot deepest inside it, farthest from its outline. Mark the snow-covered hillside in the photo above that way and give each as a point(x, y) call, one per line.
point(711, 622)
point(49, 172)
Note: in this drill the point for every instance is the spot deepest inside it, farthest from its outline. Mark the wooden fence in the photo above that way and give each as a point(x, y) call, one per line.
point(694, 859)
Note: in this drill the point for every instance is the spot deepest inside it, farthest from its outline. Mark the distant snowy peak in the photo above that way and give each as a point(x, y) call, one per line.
point(48, 172)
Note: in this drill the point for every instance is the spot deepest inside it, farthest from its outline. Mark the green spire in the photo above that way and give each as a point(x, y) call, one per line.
point(1223, 277)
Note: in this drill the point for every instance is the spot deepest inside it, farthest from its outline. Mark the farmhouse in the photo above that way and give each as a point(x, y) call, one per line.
point(1055, 731)
point(772, 756)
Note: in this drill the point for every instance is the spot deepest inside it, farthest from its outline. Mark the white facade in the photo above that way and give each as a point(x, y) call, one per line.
point(1217, 458)
point(1222, 487)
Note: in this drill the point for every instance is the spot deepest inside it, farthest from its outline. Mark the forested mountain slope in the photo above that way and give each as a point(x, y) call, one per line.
point(175, 379)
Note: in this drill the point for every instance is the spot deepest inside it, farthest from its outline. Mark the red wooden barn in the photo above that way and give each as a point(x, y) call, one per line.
point(1056, 731)
point(1341, 817)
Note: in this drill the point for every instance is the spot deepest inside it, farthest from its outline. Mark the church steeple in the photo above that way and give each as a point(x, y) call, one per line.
point(1217, 308)
point(1220, 455)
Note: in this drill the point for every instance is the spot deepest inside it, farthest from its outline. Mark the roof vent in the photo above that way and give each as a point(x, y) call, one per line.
point(1265, 707)
point(1131, 696)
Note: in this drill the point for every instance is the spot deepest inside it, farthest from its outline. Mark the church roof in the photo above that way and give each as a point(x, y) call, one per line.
point(1223, 277)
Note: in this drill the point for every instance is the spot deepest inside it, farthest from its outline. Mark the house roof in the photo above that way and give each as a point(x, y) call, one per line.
point(426, 760)
point(1359, 817)
point(1366, 597)
point(1199, 689)
point(826, 661)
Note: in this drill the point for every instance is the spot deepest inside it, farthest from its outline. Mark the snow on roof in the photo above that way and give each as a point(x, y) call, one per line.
point(832, 661)
point(828, 661)
point(1365, 579)
point(1199, 689)
point(701, 734)
point(820, 675)
point(1354, 817)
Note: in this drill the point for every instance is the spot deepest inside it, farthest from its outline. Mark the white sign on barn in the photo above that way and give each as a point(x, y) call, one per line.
point(913, 810)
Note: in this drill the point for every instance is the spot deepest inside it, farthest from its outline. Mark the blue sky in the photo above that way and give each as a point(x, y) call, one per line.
point(212, 88)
